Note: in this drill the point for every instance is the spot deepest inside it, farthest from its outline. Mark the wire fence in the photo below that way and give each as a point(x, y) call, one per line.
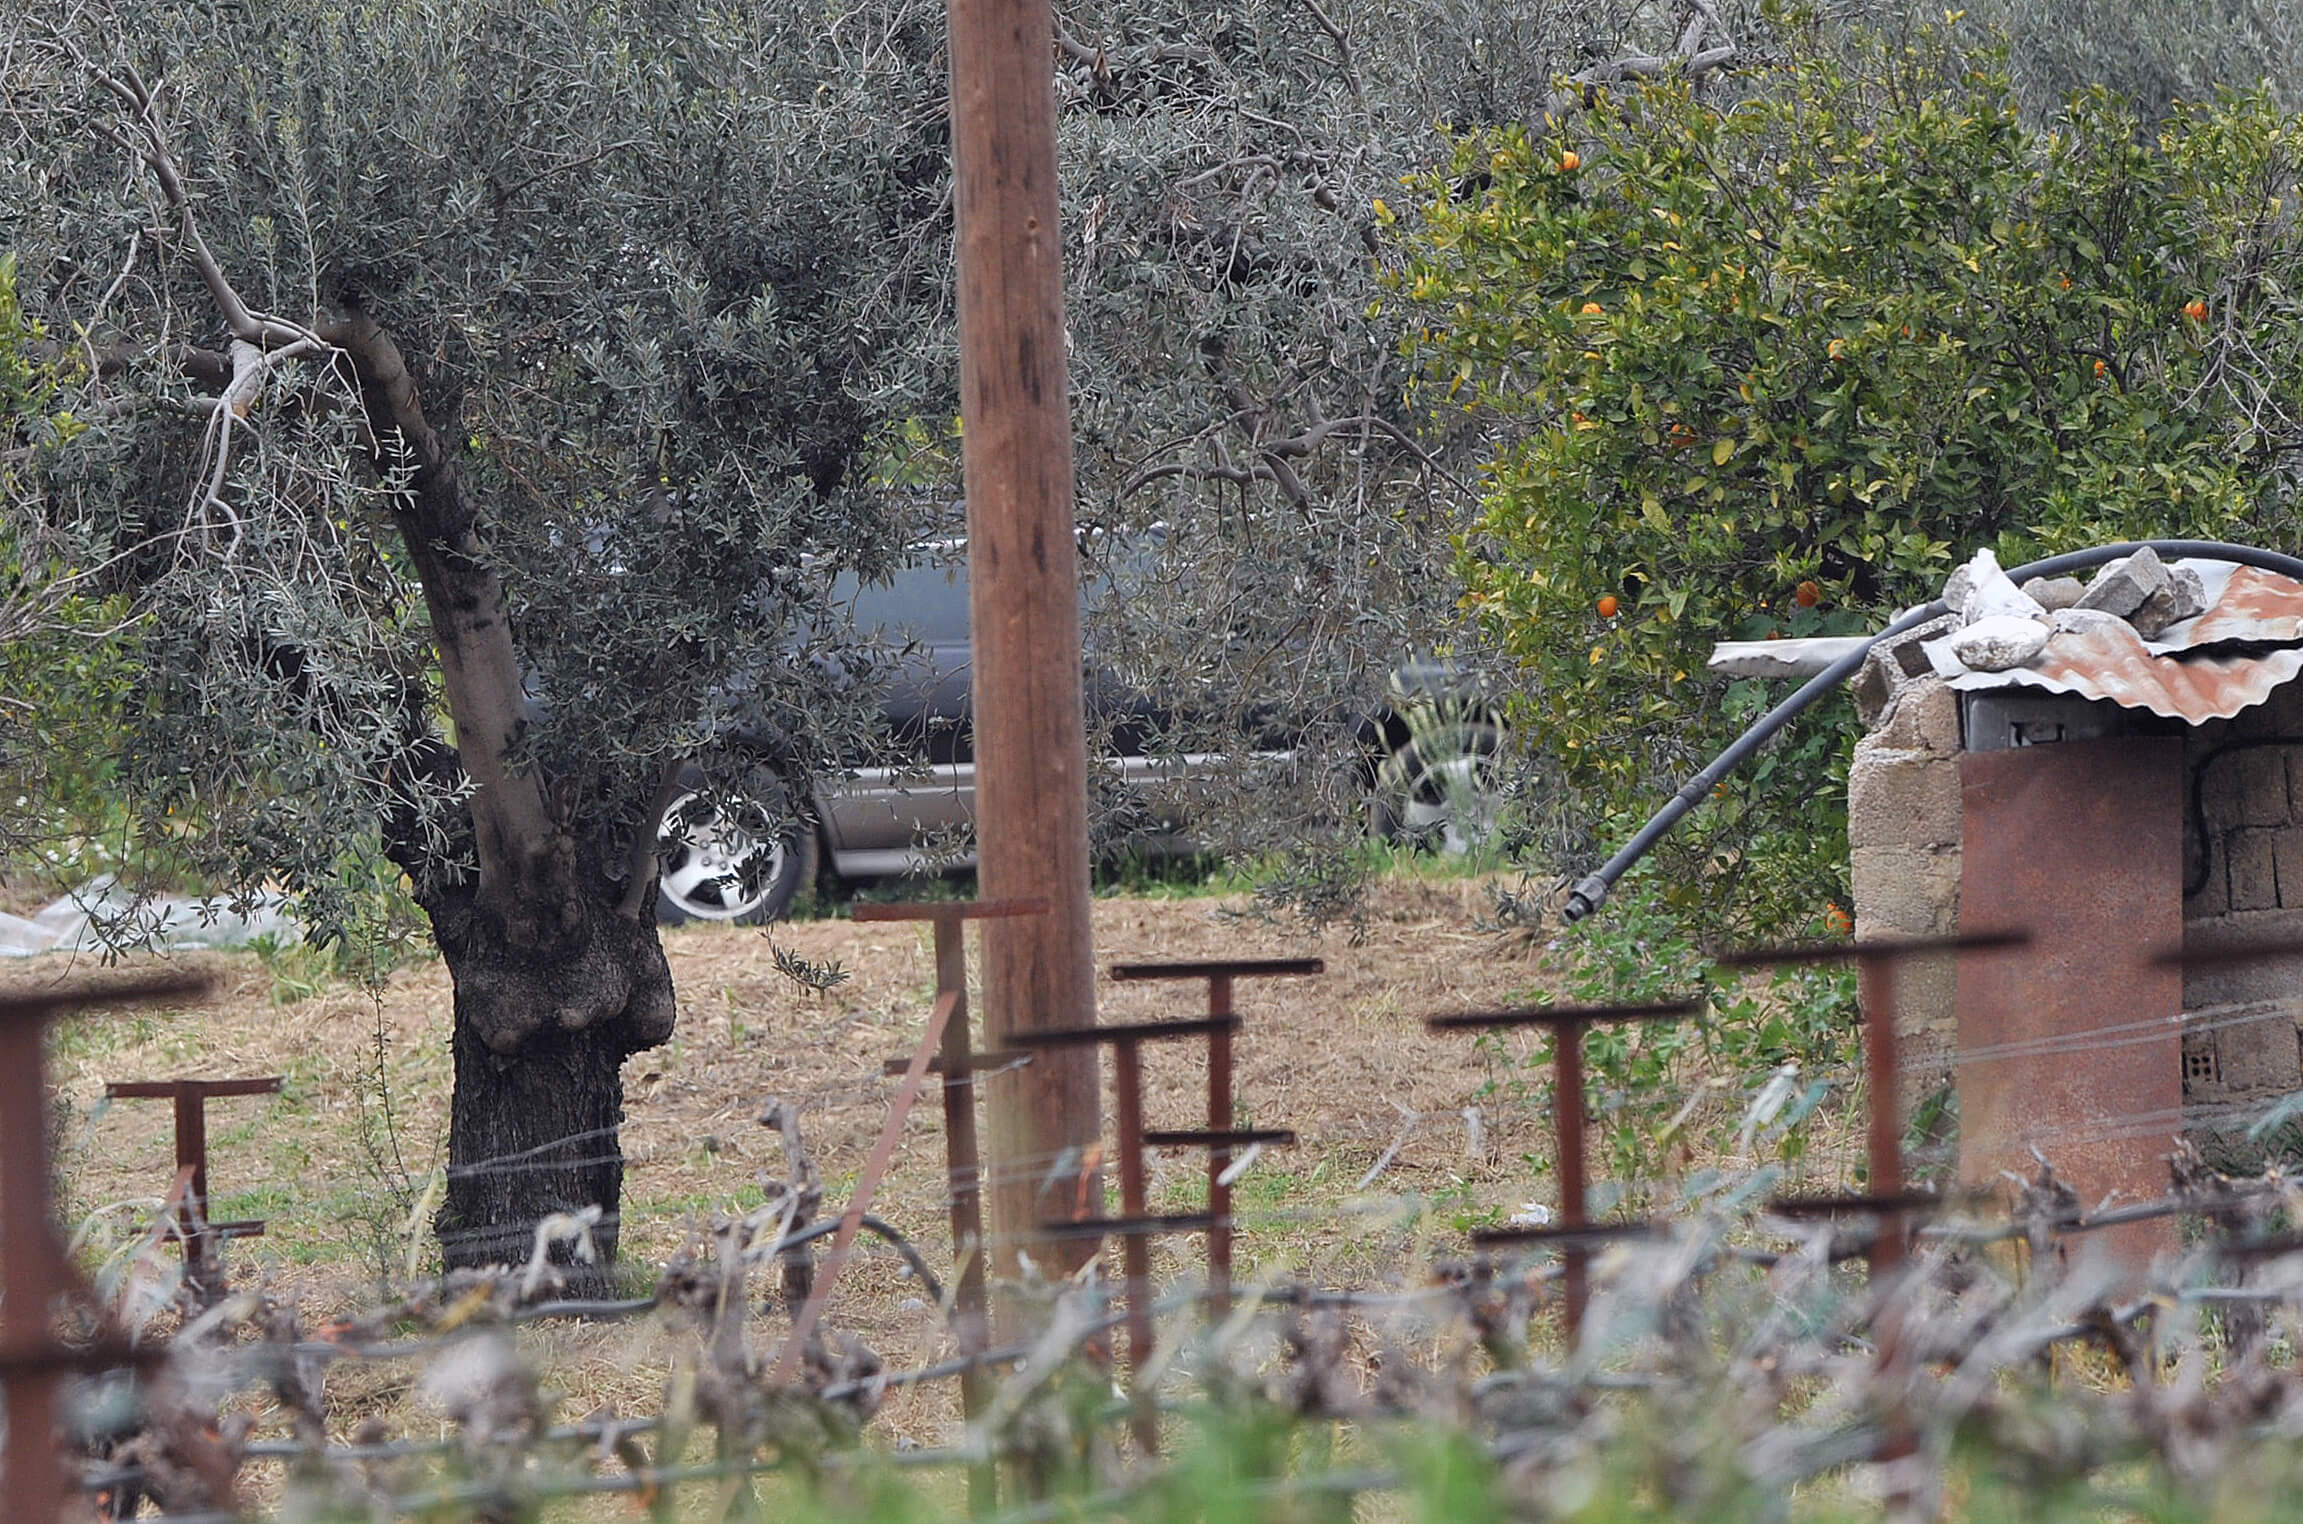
point(1520, 1345)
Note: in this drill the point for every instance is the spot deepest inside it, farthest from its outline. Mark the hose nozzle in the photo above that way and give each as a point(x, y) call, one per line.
point(1588, 895)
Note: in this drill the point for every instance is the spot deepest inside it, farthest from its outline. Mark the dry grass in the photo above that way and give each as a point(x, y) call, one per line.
point(1342, 1059)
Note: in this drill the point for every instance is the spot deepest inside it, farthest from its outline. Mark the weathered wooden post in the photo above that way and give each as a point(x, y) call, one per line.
point(1030, 732)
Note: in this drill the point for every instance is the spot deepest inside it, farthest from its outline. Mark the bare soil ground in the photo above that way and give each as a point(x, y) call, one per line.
point(1343, 1059)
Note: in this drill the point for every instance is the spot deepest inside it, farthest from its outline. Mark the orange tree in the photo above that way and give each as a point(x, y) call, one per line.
point(1772, 364)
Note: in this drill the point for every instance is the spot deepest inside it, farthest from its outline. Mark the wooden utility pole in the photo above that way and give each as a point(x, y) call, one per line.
point(1041, 1121)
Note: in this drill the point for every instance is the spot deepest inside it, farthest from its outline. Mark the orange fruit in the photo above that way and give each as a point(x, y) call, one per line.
point(1837, 921)
point(2100, 368)
point(1571, 160)
point(1807, 595)
point(2195, 310)
point(1592, 309)
point(1608, 606)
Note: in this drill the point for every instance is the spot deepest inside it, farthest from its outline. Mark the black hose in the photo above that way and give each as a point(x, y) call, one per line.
point(1590, 892)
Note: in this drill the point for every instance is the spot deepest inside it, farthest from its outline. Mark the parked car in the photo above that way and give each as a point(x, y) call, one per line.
point(1431, 744)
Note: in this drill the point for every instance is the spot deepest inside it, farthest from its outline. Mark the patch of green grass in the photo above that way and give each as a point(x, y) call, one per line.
point(698, 1203)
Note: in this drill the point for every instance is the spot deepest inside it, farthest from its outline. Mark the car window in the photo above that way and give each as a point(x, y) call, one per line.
point(926, 602)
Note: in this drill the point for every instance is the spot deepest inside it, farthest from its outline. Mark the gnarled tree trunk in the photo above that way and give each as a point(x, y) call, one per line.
point(541, 1034)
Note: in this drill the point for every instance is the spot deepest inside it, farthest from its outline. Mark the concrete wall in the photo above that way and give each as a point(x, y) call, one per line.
point(1903, 838)
point(2243, 850)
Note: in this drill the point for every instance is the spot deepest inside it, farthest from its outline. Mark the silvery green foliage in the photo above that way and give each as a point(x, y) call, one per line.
point(1238, 379)
point(2151, 54)
point(651, 265)
point(663, 272)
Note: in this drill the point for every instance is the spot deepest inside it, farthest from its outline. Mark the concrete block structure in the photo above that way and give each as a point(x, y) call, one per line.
point(2241, 829)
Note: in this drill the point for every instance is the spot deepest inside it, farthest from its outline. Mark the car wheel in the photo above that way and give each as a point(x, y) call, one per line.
point(1441, 789)
point(728, 862)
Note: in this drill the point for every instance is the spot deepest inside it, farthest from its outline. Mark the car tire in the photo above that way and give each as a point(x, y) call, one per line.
point(717, 865)
point(1440, 789)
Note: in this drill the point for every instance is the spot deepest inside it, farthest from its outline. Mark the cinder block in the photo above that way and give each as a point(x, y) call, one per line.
point(2259, 1054)
point(1891, 664)
point(1923, 718)
point(2294, 759)
point(2213, 897)
point(1927, 1004)
point(2262, 778)
point(1905, 891)
point(2287, 866)
point(1902, 798)
point(2220, 796)
point(2253, 868)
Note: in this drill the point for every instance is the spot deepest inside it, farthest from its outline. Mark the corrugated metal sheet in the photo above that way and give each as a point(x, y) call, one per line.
point(2249, 607)
point(2207, 668)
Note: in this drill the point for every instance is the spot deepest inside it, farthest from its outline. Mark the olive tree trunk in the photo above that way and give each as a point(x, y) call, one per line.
point(539, 1097)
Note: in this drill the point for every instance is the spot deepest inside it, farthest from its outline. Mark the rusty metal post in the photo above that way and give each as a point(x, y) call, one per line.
point(1135, 1226)
point(1575, 1233)
point(1875, 974)
point(963, 1169)
point(1023, 600)
point(202, 1236)
point(1221, 1137)
point(1884, 1197)
point(33, 1270)
point(1574, 1190)
point(1128, 1118)
point(1219, 1120)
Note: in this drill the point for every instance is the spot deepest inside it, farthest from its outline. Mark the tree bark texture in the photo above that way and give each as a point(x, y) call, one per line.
point(1030, 734)
point(533, 1125)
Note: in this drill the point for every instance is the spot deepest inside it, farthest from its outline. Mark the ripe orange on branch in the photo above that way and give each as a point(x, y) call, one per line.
point(1608, 606)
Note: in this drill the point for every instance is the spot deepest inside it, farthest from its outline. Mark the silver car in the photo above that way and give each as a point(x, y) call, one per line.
point(742, 861)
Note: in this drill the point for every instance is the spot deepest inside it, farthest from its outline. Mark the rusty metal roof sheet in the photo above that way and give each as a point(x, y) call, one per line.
point(2207, 668)
point(2245, 606)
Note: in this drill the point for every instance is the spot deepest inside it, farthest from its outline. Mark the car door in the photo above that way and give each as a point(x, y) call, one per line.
point(900, 813)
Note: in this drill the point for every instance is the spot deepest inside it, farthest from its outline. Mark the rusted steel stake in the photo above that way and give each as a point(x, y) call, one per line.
point(1220, 1099)
point(33, 1270)
point(963, 1170)
point(1567, 1107)
point(203, 1257)
point(1135, 1226)
point(1876, 1000)
point(1568, 1024)
point(1219, 1119)
point(1875, 997)
point(1875, 972)
point(1128, 1118)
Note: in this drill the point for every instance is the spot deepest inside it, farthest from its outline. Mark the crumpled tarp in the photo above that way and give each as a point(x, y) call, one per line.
point(100, 913)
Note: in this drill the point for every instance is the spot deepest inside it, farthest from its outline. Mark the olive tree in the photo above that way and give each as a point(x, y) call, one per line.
point(484, 395)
